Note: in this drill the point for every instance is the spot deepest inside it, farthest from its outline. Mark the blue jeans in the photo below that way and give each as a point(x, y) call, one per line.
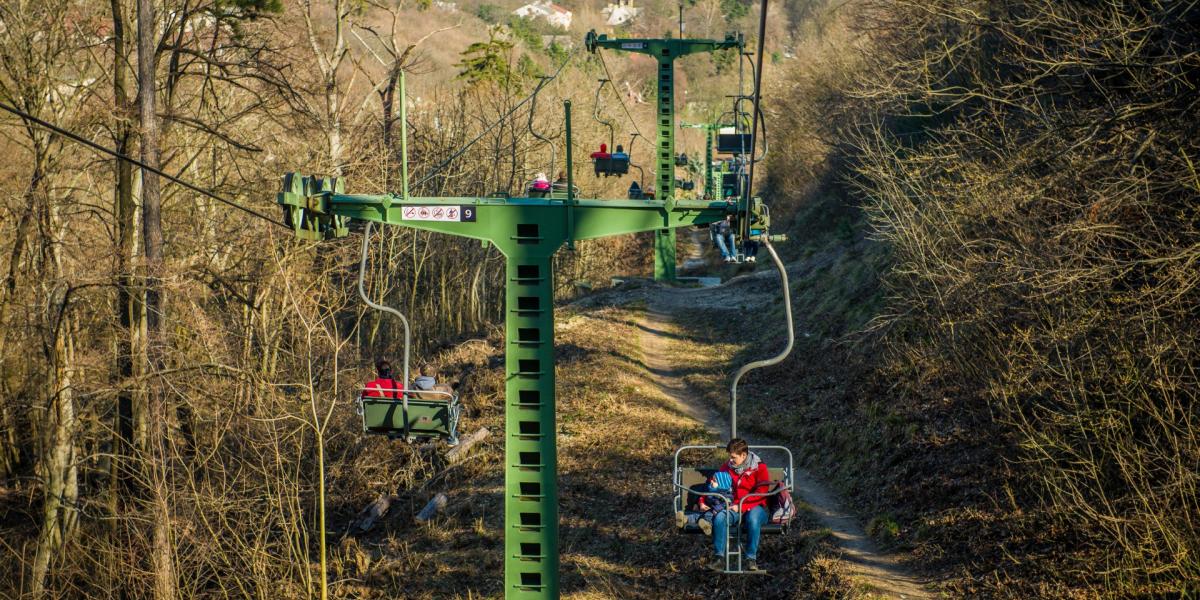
point(750, 248)
point(725, 244)
point(754, 522)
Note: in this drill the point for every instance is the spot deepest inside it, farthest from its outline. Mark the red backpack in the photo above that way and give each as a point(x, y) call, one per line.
point(780, 505)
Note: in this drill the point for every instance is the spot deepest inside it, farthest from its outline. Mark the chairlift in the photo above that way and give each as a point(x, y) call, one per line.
point(604, 162)
point(688, 483)
point(411, 415)
point(540, 186)
point(681, 160)
point(730, 141)
point(687, 479)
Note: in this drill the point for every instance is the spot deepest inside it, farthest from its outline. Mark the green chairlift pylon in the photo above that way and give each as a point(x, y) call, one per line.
point(528, 231)
point(711, 190)
point(665, 51)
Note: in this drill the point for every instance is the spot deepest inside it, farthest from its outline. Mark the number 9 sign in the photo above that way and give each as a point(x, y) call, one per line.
point(467, 214)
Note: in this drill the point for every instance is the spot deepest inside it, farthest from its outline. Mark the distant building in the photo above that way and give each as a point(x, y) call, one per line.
point(445, 6)
point(545, 9)
point(620, 13)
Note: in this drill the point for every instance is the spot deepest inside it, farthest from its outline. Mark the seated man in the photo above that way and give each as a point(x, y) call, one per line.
point(750, 475)
point(426, 381)
point(382, 386)
point(722, 233)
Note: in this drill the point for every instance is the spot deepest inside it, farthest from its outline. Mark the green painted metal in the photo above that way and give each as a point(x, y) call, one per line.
point(665, 51)
point(711, 190)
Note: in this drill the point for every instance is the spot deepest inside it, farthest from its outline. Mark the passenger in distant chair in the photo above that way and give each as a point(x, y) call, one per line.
point(426, 381)
point(383, 386)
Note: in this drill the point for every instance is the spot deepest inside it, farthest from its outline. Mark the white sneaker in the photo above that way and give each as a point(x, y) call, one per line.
point(749, 259)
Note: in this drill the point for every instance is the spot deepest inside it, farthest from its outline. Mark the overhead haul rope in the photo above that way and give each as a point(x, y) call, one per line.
point(497, 122)
point(129, 159)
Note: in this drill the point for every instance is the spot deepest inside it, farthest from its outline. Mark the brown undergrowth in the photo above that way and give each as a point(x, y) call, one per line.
point(616, 434)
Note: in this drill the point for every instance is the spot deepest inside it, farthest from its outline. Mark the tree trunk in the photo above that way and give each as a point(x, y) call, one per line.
point(58, 466)
point(127, 305)
point(61, 490)
point(161, 556)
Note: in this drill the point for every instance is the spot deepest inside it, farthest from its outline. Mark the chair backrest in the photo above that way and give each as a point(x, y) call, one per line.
point(689, 477)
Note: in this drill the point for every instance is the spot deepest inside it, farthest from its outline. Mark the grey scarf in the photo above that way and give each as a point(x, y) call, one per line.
point(752, 461)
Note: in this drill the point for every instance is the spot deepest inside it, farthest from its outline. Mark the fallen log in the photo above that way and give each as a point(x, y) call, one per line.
point(373, 512)
point(438, 502)
point(457, 453)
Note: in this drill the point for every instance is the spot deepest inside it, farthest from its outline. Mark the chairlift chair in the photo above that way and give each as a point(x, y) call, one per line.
point(729, 141)
point(605, 163)
point(410, 415)
point(685, 481)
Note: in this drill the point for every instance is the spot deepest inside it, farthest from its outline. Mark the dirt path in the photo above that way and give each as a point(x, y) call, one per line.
point(879, 571)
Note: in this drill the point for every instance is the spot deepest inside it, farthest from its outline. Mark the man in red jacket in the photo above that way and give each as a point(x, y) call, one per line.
point(750, 476)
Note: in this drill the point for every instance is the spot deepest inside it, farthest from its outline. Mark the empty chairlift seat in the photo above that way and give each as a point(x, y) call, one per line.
point(729, 185)
point(731, 142)
point(410, 415)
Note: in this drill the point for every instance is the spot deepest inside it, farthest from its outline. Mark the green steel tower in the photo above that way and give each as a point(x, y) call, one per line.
point(711, 191)
point(665, 51)
point(528, 231)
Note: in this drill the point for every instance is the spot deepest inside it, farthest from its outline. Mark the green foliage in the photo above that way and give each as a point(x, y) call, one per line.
point(734, 9)
point(557, 53)
point(525, 30)
point(724, 61)
point(883, 528)
point(528, 68)
point(487, 61)
point(489, 13)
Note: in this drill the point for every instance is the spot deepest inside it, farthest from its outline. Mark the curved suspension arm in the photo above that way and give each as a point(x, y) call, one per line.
point(774, 360)
point(362, 268)
point(612, 130)
point(532, 112)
